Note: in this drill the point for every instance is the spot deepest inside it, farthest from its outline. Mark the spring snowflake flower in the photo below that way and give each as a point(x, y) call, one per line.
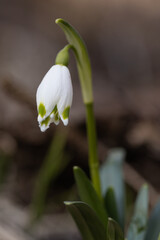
point(54, 97)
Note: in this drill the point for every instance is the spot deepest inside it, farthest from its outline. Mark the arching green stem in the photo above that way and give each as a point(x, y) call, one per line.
point(82, 59)
point(84, 71)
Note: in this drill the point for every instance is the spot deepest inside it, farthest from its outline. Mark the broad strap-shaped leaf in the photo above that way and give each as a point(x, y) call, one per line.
point(111, 174)
point(153, 227)
point(88, 223)
point(137, 227)
point(88, 194)
point(114, 232)
point(110, 203)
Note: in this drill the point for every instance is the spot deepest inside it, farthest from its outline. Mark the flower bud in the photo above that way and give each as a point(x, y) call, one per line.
point(54, 97)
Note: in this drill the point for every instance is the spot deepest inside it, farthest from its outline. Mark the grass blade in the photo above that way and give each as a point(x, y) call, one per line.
point(88, 223)
point(137, 227)
point(111, 174)
point(88, 194)
point(54, 163)
point(114, 231)
point(110, 203)
point(153, 227)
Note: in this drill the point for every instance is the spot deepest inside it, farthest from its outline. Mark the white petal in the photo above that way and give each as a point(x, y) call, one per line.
point(43, 127)
point(55, 90)
point(40, 119)
point(66, 91)
point(65, 121)
point(55, 121)
point(49, 90)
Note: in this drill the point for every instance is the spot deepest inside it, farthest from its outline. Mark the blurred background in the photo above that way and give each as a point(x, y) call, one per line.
point(123, 40)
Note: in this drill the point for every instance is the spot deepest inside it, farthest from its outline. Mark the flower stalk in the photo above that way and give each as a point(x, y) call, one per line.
point(84, 71)
point(93, 155)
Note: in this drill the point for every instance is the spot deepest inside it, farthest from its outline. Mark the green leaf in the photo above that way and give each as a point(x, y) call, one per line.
point(88, 223)
point(54, 163)
point(111, 174)
point(110, 203)
point(159, 237)
point(114, 231)
point(88, 194)
point(153, 227)
point(137, 227)
point(81, 54)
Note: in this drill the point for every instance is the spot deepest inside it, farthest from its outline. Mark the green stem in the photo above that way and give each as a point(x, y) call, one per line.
point(85, 76)
point(93, 155)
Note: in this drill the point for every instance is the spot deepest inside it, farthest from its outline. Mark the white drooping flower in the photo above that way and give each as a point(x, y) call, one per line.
point(54, 97)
